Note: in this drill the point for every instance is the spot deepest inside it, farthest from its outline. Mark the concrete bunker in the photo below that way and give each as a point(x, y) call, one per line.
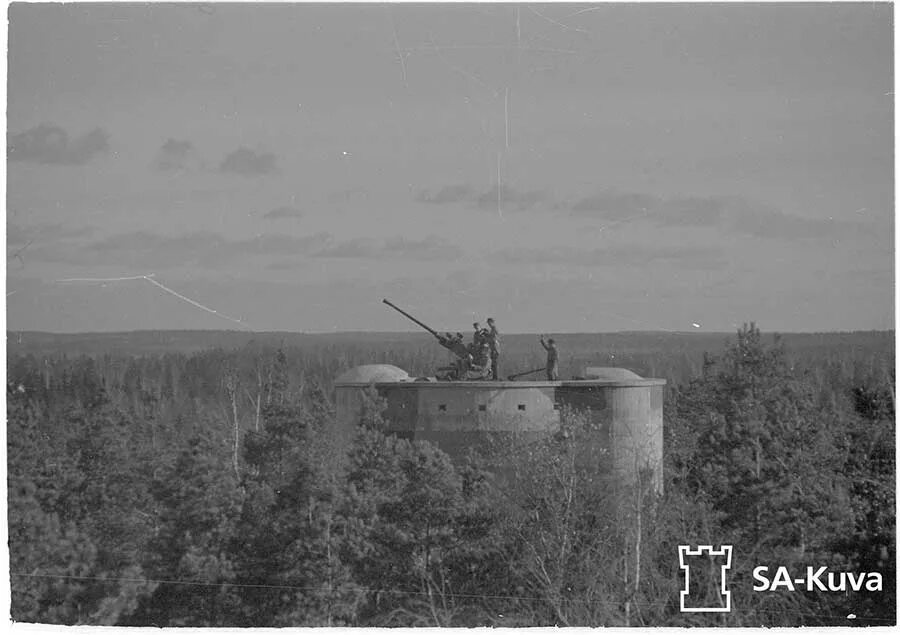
point(624, 408)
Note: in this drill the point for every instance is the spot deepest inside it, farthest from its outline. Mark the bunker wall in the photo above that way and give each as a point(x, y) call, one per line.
point(458, 416)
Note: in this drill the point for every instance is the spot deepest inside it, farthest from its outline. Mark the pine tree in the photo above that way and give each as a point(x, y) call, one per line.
point(416, 532)
point(199, 502)
point(764, 456)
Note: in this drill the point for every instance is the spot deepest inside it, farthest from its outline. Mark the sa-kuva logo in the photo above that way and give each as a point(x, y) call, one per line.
point(705, 582)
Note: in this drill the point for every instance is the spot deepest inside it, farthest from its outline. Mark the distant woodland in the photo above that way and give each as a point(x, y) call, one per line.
point(155, 481)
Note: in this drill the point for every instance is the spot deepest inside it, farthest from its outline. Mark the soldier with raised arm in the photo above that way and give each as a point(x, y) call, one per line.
point(552, 358)
point(493, 338)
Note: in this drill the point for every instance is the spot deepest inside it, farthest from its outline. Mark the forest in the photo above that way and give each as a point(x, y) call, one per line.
point(203, 488)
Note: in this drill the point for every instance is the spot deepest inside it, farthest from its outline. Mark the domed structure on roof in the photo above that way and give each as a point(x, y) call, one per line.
point(604, 373)
point(372, 373)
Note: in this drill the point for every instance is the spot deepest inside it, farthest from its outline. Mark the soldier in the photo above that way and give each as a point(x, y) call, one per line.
point(454, 344)
point(463, 366)
point(477, 336)
point(493, 338)
point(552, 359)
point(481, 352)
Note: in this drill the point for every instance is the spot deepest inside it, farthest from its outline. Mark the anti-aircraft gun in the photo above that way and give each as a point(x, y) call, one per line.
point(465, 367)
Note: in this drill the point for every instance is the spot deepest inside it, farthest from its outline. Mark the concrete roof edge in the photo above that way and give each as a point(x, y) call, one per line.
point(649, 381)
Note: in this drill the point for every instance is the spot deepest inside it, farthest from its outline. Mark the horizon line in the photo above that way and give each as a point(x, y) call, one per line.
point(418, 332)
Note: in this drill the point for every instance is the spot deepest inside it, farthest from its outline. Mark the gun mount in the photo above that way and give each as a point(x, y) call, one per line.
point(527, 372)
point(465, 367)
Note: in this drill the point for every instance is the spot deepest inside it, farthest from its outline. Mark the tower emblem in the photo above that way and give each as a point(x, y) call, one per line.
point(704, 569)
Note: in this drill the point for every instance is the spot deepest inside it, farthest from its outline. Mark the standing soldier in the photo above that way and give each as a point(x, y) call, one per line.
point(493, 338)
point(477, 337)
point(552, 359)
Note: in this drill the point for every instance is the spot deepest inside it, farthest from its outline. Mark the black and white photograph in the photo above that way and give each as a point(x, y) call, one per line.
point(450, 314)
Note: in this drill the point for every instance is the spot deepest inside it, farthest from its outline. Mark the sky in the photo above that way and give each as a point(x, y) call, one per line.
point(561, 168)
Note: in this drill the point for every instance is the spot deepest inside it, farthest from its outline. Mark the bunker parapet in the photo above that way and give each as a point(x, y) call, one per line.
point(624, 408)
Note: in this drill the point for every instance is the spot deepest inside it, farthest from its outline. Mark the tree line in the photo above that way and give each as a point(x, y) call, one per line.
point(208, 490)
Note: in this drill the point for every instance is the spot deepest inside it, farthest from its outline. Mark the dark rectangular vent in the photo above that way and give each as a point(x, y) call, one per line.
point(521, 406)
point(442, 407)
point(482, 408)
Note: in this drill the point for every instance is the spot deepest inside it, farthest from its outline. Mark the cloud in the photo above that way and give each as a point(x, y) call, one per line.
point(748, 217)
point(510, 198)
point(16, 234)
point(618, 255)
point(761, 221)
point(613, 205)
point(175, 156)
point(283, 212)
point(356, 248)
point(25, 243)
point(50, 144)
point(731, 214)
point(348, 194)
point(279, 244)
point(691, 211)
point(248, 163)
point(282, 265)
point(400, 248)
point(430, 248)
point(134, 249)
point(448, 194)
point(148, 249)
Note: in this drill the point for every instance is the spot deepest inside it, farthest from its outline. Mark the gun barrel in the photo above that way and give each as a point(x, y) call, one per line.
point(528, 372)
point(404, 313)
